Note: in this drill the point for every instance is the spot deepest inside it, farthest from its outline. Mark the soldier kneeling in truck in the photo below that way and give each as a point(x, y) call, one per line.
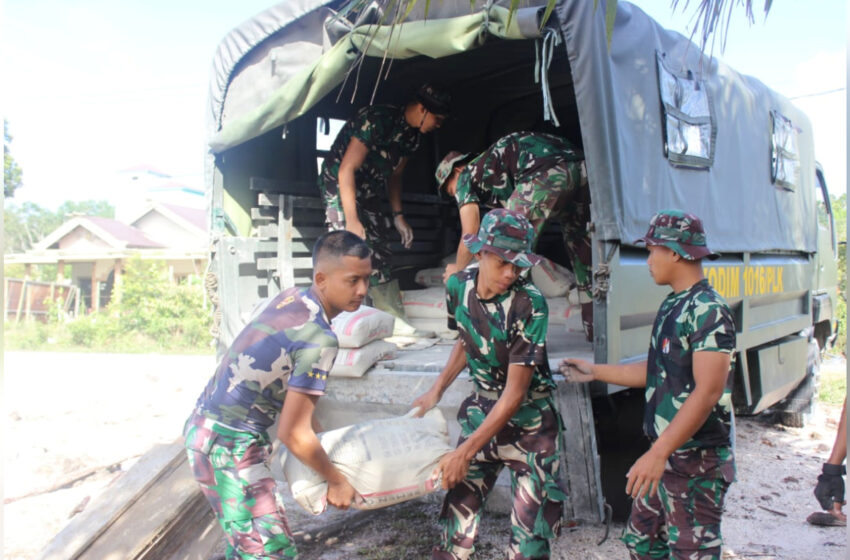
point(679, 485)
point(538, 175)
point(277, 366)
point(510, 418)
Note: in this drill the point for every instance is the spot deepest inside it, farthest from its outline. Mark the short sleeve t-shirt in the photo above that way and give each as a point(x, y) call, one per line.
point(694, 320)
point(507, 329)
point(289, 345)
point(385, 132)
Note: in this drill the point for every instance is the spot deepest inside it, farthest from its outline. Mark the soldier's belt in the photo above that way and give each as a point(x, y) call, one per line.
point(494, 395)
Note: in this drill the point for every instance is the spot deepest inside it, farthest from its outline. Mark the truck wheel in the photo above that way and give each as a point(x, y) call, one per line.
point(797, 408)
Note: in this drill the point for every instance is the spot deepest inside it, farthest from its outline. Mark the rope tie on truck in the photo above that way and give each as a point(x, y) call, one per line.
point(544, 52)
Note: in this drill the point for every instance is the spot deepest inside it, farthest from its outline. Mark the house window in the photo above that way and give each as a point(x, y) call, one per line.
point(784, 158)
point(689, 126)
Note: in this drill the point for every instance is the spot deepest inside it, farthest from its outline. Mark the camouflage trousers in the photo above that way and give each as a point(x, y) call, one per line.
point(232, 469)
point(682, 521)
point(378, 225)
point(562, 194)
point(529, 446)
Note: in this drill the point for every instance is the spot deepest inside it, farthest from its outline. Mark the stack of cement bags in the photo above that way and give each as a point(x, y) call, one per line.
point(387, 461)
point(426, 310)
point(360, 335)
point(556, 283)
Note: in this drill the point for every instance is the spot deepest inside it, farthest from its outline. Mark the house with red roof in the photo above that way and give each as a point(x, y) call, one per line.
point(97, 248)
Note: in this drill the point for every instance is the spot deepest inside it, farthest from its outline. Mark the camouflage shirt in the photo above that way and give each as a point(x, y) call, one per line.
point(289, 345)
point(695, 320)
point(385, 132)
point(507, 329)
point(517, 158)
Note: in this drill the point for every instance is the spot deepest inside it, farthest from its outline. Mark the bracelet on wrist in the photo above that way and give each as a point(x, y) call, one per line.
point(397, 213)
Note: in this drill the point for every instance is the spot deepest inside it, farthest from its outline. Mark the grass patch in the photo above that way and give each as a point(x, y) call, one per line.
point(833, 383)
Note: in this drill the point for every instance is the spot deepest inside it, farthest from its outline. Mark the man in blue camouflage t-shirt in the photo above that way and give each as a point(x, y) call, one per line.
point(277, 366)
point(679, 485)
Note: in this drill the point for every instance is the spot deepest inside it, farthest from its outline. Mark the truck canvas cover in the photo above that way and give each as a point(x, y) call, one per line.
point(652, 90)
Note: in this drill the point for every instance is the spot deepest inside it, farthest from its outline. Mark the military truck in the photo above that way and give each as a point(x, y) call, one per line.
point(660, 125)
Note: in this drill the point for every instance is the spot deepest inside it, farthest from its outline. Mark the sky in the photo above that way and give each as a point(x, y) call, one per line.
point(94, 87)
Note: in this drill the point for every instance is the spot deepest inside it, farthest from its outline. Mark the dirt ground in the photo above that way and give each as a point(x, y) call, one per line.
point(74, 423)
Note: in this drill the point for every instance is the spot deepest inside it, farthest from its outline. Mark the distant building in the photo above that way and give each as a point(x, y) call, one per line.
point(96, 248)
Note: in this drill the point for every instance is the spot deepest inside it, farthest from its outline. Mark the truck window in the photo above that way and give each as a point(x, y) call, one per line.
point(824, 211)
point(326, 131)
point(784, 158)
point(689, 125)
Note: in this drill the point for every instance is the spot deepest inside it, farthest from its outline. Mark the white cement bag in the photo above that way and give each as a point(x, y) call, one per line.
point(387, 461)
point(358, 328)
point(565, 313)
point(559, 310)
point(429, 303)
point(552, 279)
point(353, 362)
point(439, 326)
point(430, 277)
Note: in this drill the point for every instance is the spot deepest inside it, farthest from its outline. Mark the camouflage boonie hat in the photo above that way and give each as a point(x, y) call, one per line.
point(435, 98)
point(446, 166)
point(679, 231)
point(506, 233)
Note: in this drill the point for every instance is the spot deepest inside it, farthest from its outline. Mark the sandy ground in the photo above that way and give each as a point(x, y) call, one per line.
point(75, 422)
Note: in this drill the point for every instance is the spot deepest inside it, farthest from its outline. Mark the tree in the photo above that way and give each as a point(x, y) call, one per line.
point(12, 174)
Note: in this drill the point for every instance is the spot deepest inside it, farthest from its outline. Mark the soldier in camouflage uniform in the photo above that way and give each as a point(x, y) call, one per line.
point(510, 419)
point(365, 166)
point(277, 366)
point(538, 175)
point(679, 485)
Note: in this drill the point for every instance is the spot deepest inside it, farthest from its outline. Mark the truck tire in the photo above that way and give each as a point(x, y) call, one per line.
point(798, 406)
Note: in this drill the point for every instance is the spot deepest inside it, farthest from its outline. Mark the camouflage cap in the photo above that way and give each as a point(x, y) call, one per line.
point(506, 233)
point(679, 231)
point(446, 166)
point(435, 98)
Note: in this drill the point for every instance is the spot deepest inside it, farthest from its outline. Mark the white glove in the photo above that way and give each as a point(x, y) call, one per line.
point(404, 230)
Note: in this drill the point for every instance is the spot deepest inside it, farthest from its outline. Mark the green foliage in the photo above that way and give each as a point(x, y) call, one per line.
point(12, 173)
point(27, 224)
point(147, 314)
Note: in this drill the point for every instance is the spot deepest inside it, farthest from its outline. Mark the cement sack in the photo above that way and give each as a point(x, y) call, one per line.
point(430, 277)
point(565, 314)
point(353, 362)
point(429, 303)
point(439, 326)
point(387, 461)
point(358, 328)
point(552, 279)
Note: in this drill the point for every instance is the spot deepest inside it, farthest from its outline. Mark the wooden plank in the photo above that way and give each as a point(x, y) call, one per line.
point(297, 263)
point(263, 214)
point(21, 297)
point(579, 456)
point(86, 528)
point(285, 262)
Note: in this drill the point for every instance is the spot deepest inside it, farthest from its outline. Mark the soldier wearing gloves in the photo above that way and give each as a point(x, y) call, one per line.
point(364, 168)
point(830, 487)
point(679, 485)
point(542, 177)
point(510, 418)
